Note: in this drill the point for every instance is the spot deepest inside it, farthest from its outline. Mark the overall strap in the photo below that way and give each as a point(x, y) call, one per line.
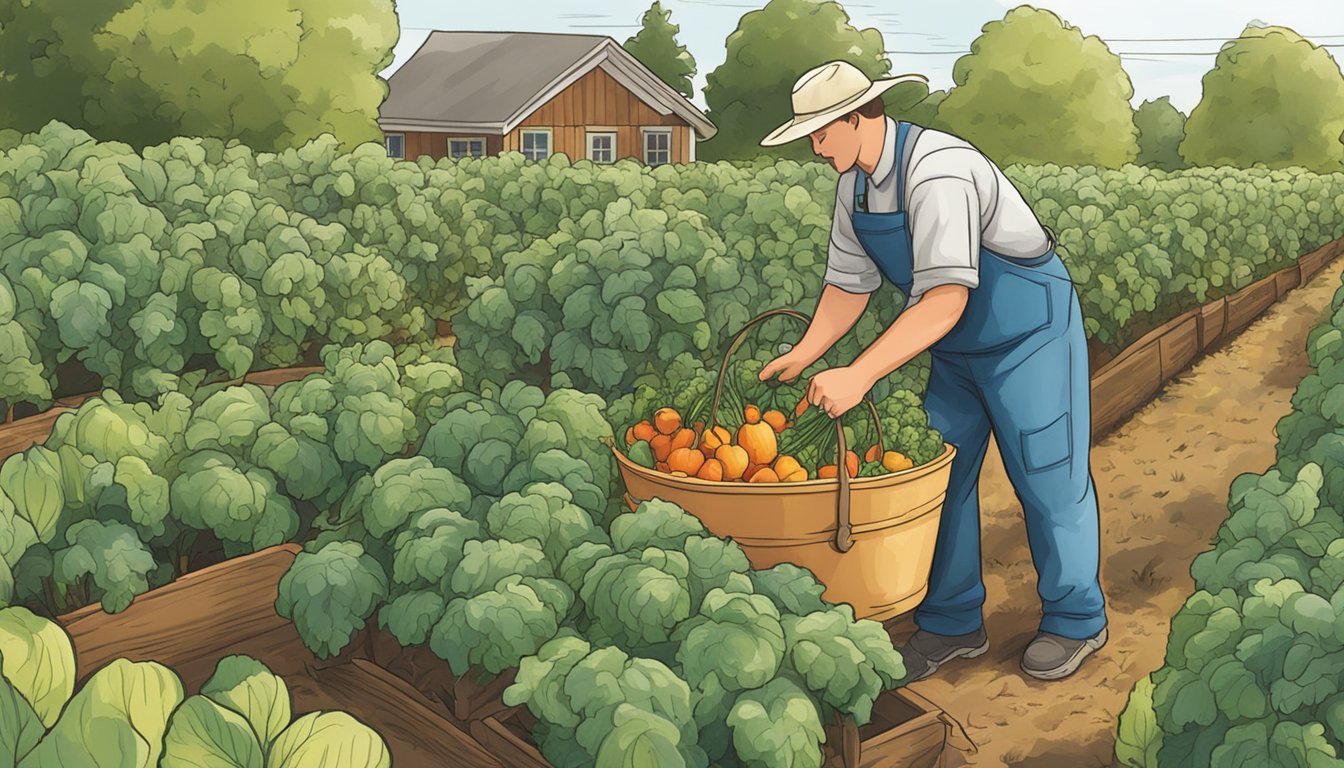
point(861, 190)
point(906, 136)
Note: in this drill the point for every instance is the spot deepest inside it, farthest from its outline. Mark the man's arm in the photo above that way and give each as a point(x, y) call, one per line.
point(914, 331)
point(837, 312)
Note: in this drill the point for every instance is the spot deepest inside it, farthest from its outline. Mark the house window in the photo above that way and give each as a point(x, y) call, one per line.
point(460, 148)
point(537, 144)
point(602, 147)
point(657, 147)
point(396, 145)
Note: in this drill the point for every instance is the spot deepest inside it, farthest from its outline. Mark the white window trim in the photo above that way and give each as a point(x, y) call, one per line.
point(550, 139)
point(644, 142)
point(399, 135)
point(481, 139)
point(589, 141)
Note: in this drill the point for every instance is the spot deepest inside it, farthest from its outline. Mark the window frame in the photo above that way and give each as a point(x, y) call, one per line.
point(469, 141)
point(645, 133)
point(387, 137)
point(589, 150)
point(550, 142)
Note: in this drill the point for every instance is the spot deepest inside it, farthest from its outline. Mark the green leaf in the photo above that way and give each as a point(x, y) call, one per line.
point(639, 739)
point(32, 481)
point(125, 703)
point(38, 659)
point(324, 739)
point(682, 305)
point(244, 685)
point(203, 734)
point(1138, 736)
point(777, 725)
point(20, 727)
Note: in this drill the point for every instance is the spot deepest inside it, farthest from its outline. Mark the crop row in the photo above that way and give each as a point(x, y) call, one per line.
point(1254, 670)
point(194, 255)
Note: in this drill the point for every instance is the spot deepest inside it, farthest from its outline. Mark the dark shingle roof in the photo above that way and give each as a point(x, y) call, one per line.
point(480, 77)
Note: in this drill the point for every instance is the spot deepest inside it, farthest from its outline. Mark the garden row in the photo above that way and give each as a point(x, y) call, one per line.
point(197, 256)
point(482, 526)
point(1254, 670)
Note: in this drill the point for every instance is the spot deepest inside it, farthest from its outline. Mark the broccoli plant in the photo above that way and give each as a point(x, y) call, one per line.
point(502, 441)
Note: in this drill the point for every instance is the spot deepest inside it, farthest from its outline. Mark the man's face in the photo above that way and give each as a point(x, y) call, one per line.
point(838, 143)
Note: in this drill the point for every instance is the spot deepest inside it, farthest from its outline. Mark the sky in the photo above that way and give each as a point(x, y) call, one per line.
point(1155, 37)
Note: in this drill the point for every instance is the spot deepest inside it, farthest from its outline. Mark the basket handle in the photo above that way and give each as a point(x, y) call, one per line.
point(843, 527)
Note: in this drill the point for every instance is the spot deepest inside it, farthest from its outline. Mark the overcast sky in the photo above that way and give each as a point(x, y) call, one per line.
point(930, 33)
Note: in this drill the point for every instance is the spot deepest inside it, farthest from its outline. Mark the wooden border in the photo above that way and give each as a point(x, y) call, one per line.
point(1130, 380)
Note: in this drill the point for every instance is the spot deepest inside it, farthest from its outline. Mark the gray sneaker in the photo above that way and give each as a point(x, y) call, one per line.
point(1051, 657)
point(925, 652)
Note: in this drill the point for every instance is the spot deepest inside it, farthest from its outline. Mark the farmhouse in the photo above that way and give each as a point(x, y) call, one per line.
point(472, 94)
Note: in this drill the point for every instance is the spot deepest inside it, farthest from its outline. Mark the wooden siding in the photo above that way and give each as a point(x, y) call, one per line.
point(597, 99)
point(595, 102)
point(573, 140)
point(435, 144)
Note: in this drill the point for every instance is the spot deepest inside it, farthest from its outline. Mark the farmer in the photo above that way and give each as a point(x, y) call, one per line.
point(991, 300)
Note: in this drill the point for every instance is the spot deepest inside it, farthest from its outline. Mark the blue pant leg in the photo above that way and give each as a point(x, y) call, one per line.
point(956, 591)
point(1039, 401)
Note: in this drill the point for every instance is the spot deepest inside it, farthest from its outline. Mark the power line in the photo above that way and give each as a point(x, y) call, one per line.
point(1117, 53)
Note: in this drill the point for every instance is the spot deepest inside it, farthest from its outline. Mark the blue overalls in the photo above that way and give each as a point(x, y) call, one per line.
point(1016, 362)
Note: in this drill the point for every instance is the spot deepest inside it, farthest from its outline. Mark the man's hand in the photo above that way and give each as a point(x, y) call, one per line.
point(837, 390)
point(789, 366)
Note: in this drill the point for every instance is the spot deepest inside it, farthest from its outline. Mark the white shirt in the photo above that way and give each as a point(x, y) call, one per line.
point(956, 200)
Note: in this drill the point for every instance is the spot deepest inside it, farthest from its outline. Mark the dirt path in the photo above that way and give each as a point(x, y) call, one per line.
point(1162, 482)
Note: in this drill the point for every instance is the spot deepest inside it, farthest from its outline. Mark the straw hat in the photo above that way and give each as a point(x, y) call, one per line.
point(828, 93)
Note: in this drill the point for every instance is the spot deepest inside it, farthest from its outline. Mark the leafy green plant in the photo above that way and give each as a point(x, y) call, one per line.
point(1253, 666)
point(242, 716)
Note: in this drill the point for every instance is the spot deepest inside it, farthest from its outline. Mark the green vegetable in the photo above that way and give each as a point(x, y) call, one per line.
point(641, 453)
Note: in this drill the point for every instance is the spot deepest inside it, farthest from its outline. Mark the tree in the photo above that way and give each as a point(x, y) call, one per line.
point(657, 47)
point(270, 73)
point(913, 102)
point(1161, 129)
point(1035, 90)
point(1273, 98)
point(749, 94)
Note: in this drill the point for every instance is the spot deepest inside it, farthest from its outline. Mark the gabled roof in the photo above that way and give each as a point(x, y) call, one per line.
point(490, 82)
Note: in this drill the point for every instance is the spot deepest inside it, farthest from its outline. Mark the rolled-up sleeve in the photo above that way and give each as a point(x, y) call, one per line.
point(847, 266)
point(946, 218)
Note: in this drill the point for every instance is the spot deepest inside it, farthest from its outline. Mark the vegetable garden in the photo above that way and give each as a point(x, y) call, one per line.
point(462, 498)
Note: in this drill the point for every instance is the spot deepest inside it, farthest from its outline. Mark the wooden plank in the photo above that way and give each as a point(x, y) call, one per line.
point(417, 735)
point(611, 92)
point(1286, 280)
point(191, 623)
point(1313, 262)
point(1248, 303)
point(1179, 344)
point(512, 750)
point(1125, 386)
point(1213, 323)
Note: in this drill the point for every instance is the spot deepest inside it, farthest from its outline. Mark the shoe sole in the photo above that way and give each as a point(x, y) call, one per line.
point(1074, 661)
point(960, 653)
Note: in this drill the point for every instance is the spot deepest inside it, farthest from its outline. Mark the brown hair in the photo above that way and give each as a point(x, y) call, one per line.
point(870, 109)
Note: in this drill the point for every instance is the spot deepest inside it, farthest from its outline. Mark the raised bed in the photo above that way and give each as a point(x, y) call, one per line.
point(428, 718)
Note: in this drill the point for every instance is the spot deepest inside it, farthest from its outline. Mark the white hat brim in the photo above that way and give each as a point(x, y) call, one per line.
point(798, 128)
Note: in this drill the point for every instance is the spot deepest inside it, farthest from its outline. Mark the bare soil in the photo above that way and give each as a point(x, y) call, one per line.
point(1162, 482)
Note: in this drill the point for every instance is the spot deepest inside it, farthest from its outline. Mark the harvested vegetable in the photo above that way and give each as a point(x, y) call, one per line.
point(734, 460)
point(683, 438)
point(644, 431)
point(712, 469)
point(662, 447)
point(775, 419)
point(642, 454)
point(789, 470)
point(827, 472)
point(712, 439)
point(667, 420)
point(764, 475)
point(759, 440)
point(687, 460)
point(894, 461)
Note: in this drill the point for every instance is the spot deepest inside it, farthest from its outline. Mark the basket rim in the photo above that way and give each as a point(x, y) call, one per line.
point(827, 485)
